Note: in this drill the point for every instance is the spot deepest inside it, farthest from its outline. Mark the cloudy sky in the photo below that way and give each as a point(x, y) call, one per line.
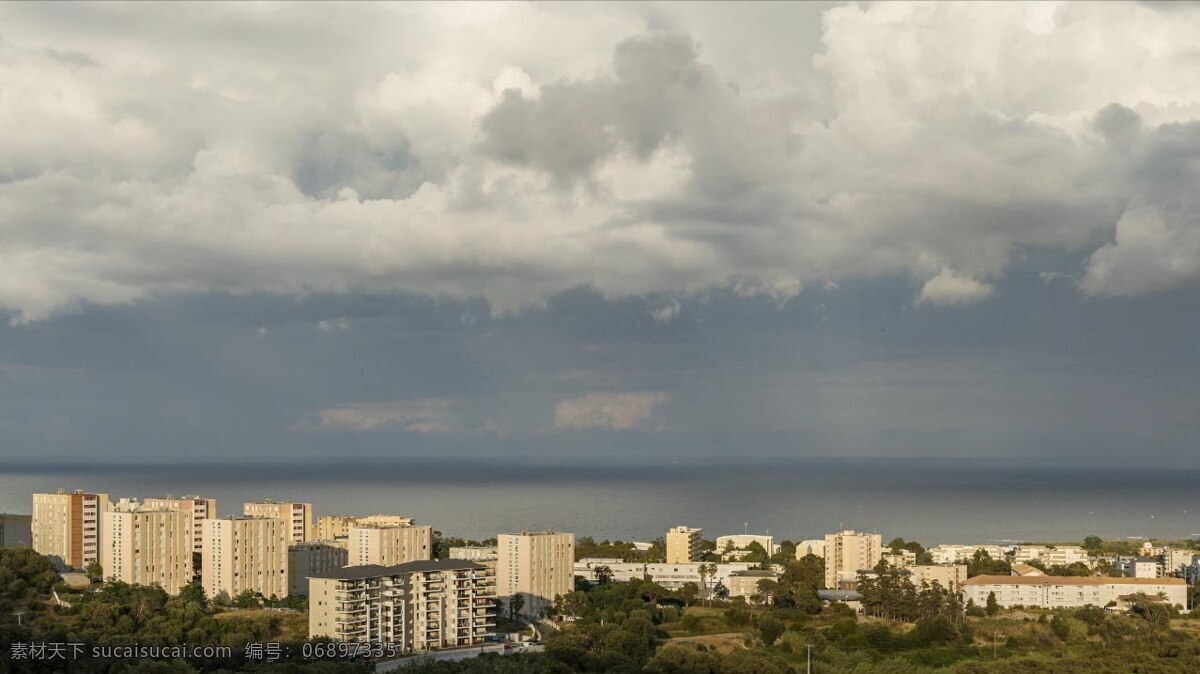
point(645, 230)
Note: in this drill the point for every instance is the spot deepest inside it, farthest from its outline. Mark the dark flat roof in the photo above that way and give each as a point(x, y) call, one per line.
point(375, 570)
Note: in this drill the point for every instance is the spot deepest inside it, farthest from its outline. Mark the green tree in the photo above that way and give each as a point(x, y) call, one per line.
point(94, 571)
point(515, 604)
point(1093, 544)
point(770, 629)
point(992, 606)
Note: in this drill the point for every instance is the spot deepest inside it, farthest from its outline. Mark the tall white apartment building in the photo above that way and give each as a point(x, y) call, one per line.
point(847, 553)
point(66, 527)
point(313, 558)
point(197, 508)
point(147, 546)
point(1069, 591)
point(299, 516)
point(389, 546)
point(415, 606)
point(245, 553)
point(683, 544)
point(538, 566)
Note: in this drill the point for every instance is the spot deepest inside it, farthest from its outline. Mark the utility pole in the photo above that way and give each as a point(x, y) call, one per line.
point(809, 646)
point(995, 637)
point(19, 614)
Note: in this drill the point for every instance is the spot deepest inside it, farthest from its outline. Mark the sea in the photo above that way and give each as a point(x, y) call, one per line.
point(924, 499)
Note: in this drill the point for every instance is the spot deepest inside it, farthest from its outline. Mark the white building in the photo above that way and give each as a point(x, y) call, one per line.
point(742, 541)
point(669, 576)
point(1141, 567)
point(480, 553)
point(196, 508)
point(954, 553)
point(147, 546)
point(812, 547)
point(1069, 591)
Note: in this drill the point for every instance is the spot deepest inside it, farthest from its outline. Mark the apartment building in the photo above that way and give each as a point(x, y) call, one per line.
point(847, 553)
point(813, 547)
point(1142, 567)
point(477, 553)
point(246, 553)
point(66, 527)
point(16, 531)
point(1063, 555)
point(1070, 591)
point(955, 553)
point(415, 606)
point(900, 559)
point(538, 566)
point(745, 583)
point(669, 576)
point(742, 541)
point(949, 576)
point(299, 516)
point(313, 558)
point(147, 546)
point(389, 545)
point(683, 544)
point(333, 527)
point(197, 508)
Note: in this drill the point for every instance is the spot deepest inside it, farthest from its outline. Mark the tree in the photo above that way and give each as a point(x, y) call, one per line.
point(515, 604)
point(94, 571)
point(246, 599)
point(993, 606)
point(770, 629)
point(603, 574)
point(1093, 544)
point(193, 593)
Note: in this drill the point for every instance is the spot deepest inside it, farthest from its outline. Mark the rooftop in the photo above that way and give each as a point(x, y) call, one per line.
point(1069, 580)
point(375, 570)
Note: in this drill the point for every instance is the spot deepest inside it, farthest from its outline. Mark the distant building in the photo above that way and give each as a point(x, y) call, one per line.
point(147, 546)
point(742, 541)
point(313, 558)
point(415, 606)
point(66, 527)
point(683, 544)
point(299, 516)
point(538, 566)
point(198, 509)
point(1069, 591)
point(949, 577)
point(1175, 561)
point(901, 559)
point(955, 553)
point(389, 545)
point(745, 583)
point(16, 531)
point(331, 527)
point(847, 553)
point(1141, 567)
point(1063, 555)
point(813, 547)
point(481, 553)
point(1022, 569)
point(246, 553)
point(669, 576)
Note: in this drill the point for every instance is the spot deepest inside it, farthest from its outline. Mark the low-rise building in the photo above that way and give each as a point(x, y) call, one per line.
point(948, 576)
point(1142, 567)
point(1069, 591)
point(1023, 569)
point(415, 606)
point(474, 553)
point(745, 584)
point(953, 553)
point(900, 559)
point(812, 547)
point(312, 558)
point(743, 541)
point(669, 576)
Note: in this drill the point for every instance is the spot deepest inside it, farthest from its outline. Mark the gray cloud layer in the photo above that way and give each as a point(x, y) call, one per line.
point(511, 151)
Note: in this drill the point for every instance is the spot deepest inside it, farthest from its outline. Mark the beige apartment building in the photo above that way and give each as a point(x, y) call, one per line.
point(745, 583)
point(246, 553)
point(950, 577)
point(147, 546)
point(538, 566)
point(683, 545)
point(415, 606)
point(199, 509)
point(332, 527)
point(298, 515)
point(847, 553)
point(1070, 591)
point(314, 558)
point(389, 546)
point(65, 527)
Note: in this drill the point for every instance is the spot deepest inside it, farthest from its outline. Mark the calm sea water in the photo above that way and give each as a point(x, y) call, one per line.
point(925, 500)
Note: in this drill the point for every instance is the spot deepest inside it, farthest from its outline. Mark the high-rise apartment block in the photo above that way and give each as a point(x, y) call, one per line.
point(388, 546)
point(198, 509)
point(538, 566)
point(246, 553)
point(847, 553)
point(146, 546)
point(66, 527)
point(416, 606)
point(16, 531)
point(683, 545)
point(314, 558)
point(299, 516)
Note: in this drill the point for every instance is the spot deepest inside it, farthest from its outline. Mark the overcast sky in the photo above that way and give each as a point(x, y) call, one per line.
point(650, 230)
